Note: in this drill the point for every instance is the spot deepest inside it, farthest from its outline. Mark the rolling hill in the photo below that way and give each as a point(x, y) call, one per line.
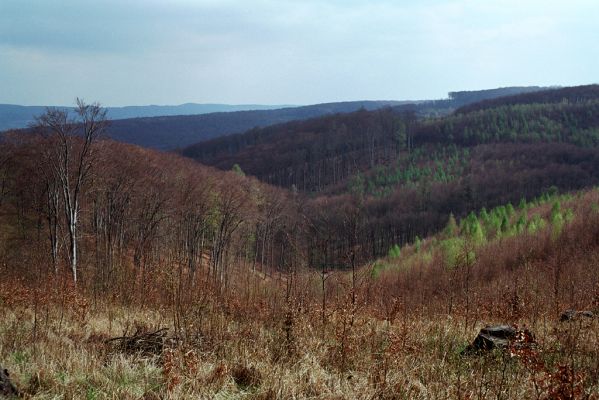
point(14, 116)
point(193, 279)
point(314, 154)
point(172, 132)
point(175, 127)
point(169, 132)
point(413, 172)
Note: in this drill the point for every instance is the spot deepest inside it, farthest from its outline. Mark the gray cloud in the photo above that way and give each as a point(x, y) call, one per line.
point(125, 52)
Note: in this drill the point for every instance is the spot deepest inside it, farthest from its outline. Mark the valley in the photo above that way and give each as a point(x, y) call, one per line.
point(351, 255)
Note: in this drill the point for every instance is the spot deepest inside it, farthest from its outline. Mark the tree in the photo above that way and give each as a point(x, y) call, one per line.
point(71, 155)
point(237, 169)
point(229, 215)
point(451, 229)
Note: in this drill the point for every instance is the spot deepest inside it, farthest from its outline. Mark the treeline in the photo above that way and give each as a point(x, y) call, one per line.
point(573, 94)
point(172, 132)
point(457, 100)
point(576, 123)
point(323, 154)
point(461, 98)
point(311, 155)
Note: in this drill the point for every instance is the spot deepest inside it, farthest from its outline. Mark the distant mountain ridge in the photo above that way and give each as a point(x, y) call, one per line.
point(313, 154)
point(173, 132)
point(177, 132)
point(13, 116)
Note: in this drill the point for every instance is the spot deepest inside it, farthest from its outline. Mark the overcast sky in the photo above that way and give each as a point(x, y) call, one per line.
point(123, 52)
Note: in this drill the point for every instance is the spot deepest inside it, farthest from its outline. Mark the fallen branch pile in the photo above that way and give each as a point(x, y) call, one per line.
point(143, 343)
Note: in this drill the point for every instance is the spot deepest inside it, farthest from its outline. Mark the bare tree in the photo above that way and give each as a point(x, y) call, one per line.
point(194, 221)
point(72, 158)
point(228, 217)
point(52, 208)
point(5, 154)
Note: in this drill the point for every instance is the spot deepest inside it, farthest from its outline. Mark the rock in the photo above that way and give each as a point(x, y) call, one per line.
point(492, 337)
point(7, 389)
point(570, 315)
point(246, 377)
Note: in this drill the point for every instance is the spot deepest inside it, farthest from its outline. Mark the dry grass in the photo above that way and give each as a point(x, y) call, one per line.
point(228, 357)
point(401, 338)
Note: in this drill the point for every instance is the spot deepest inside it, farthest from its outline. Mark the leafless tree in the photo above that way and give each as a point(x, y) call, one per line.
point(71, 159)
point(5, 154)
point(229, 216)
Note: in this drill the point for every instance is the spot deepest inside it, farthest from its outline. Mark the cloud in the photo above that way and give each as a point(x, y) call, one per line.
point(124, 52)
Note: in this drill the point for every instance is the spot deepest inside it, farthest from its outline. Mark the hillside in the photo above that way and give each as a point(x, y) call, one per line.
point(175, 127)
point(575, 94)
point(168, 133)
point(321, 153)
point(199, 283)
point(348, 143)
point(412, 173)
point(196, 282)
point(14, 116)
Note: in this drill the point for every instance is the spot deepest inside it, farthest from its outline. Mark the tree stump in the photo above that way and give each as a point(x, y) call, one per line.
point(7, 389)
point(492, 337)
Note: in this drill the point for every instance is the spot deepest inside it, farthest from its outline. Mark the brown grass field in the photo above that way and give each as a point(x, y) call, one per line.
point(397, 334)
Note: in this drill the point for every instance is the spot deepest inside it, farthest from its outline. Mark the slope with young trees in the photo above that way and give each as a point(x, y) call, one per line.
point(359, 184)
point(410, 173)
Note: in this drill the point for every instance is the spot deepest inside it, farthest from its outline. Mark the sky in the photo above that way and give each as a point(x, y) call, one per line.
point(138, 52)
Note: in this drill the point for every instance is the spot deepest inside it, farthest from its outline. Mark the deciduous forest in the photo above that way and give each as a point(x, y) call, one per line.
point(351, 255)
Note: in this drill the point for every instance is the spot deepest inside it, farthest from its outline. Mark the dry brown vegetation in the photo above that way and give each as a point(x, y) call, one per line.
point(187, 282)
point(398, 335)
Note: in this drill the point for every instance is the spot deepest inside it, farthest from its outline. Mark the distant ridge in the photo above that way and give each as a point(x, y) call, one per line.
point(173, 132)
point(180, 126)
point(313, 154)
point(14, 116)
point(177, 132)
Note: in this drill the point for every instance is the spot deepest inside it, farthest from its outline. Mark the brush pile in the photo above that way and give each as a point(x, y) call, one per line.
point(142, 342)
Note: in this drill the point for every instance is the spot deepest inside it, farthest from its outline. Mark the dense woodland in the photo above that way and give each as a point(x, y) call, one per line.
point(352, 186)
point(169, 128)
point(172, 132)
point(169, 133)
point(398, 238)
point(408, 174)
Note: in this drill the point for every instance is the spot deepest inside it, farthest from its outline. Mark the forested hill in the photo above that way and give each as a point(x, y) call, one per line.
point(575, 94)
point(459, 99)
point(315, 154)
point(175, 127)
point(168, 128)
point(411, 173)
point(167, 133)
point(223, 151)
point(13, 116)
point(360, 182)
point(171, 132)
point(464, 97)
